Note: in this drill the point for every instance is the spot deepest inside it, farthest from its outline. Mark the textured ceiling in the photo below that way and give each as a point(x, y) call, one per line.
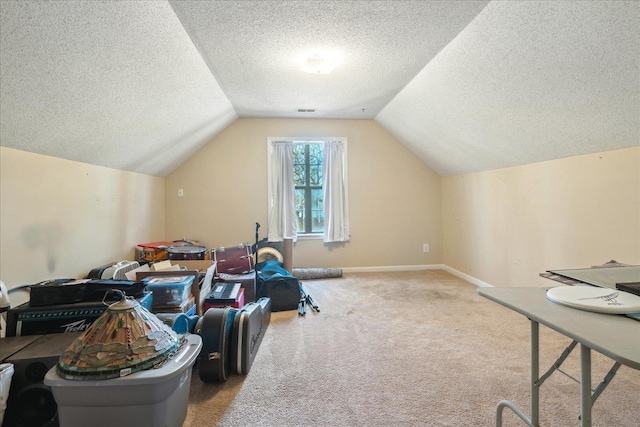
point(116, 84)
point(467, 86)
point(255, 50)
point(525, 82)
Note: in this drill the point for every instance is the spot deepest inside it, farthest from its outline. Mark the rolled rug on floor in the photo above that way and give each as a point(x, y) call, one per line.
point(316, 273)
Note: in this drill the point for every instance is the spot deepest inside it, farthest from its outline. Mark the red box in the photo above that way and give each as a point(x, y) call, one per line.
point(239, 303)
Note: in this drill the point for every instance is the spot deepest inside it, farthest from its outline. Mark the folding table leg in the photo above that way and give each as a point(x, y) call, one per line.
point(535, 373)
point(535, 387)
point(585, 386)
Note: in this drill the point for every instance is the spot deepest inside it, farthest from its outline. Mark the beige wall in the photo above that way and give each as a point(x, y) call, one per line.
point(60, 218)
point(394, 198)
point(506, 226)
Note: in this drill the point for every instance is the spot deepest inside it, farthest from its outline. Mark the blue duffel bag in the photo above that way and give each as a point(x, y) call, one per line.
point(275, 282)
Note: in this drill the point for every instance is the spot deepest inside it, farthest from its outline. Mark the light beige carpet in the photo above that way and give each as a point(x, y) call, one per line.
point(409, 349)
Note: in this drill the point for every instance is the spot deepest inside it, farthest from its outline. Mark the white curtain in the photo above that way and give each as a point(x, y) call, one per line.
point(336, 211)
point(282, 218)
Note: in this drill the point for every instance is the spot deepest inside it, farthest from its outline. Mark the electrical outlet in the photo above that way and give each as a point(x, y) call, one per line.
point(180, 192)
point(425, 247)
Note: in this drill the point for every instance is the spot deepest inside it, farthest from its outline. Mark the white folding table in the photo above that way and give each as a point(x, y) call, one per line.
point(612, 335)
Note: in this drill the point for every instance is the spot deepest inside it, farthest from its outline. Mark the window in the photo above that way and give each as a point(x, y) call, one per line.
point(307, 178)
point(307, 182)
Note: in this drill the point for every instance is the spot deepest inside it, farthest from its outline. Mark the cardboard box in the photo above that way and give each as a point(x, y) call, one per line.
point(195, 268)
point(169, 318)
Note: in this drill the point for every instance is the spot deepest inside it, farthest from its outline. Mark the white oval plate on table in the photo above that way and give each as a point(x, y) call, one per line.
point(593, 298)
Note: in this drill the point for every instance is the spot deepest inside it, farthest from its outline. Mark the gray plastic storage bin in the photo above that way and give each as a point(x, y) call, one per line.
point(154, 397)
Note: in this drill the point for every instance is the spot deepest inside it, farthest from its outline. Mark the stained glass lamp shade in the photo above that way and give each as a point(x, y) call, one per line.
point(126, 338)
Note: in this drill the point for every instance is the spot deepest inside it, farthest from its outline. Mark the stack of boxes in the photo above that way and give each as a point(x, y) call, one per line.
point(171, 296)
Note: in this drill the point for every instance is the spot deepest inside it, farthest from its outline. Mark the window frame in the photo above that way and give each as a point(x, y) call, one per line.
point(308, 189)
point(302, 140)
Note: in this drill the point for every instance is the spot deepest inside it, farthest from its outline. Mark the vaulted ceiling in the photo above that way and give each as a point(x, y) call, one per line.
point(465, 85)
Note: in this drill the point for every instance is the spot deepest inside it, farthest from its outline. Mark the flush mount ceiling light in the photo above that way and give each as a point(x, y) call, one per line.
point(317, 65)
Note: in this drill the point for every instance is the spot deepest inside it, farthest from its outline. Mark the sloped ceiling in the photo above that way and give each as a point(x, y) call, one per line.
point(525, 82)
point(466, 85)
point(115, 84)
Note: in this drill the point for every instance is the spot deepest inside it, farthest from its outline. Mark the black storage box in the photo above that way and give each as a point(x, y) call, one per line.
point(27, 320)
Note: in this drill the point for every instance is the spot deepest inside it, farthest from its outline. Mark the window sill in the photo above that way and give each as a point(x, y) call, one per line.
point(310, 236)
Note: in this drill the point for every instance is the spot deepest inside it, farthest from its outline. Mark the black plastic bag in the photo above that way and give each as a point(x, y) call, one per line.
point(69, 291)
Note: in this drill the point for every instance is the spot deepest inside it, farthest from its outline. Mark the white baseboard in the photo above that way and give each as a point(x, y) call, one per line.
point(444, 267)
point(466, 277)
point(392, 268)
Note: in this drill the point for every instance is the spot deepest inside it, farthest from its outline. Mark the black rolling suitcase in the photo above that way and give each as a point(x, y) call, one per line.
point(249, 326)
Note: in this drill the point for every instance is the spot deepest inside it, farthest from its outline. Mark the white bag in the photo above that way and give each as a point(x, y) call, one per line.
point(6, 372)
